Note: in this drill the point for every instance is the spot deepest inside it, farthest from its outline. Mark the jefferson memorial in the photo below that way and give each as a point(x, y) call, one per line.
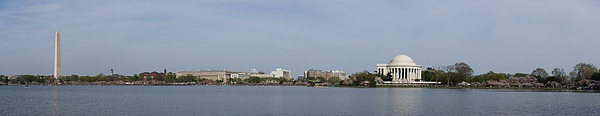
point(402, 69)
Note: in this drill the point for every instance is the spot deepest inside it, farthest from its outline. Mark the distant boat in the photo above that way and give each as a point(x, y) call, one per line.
point(26, 86)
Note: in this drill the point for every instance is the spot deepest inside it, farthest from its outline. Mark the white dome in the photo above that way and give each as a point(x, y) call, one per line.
point(402, 60)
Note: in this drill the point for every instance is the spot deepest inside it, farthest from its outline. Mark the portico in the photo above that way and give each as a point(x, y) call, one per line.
point(402, 69)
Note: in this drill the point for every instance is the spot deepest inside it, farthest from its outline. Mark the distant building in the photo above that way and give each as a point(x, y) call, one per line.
point(262, 75)
point(279, 72)
point(152, 75)
point(225, 74)
point(325, 74)
point(213, 74)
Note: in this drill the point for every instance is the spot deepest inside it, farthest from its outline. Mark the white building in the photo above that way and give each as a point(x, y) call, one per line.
point(402, 68)
point(282, 73)
point(340, 74)
point(325, 74)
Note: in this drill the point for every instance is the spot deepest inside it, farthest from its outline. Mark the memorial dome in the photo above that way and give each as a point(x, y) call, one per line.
point(402, 60)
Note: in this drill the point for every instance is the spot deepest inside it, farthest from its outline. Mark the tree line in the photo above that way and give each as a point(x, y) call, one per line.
point(583, 75)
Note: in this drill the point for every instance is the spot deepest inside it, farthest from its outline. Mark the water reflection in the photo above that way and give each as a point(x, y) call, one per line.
point(56, 108)
point(398, 101)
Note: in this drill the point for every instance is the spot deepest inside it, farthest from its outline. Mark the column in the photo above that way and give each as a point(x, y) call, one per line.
point(419, 75)
point(412, 74)
point(396, 72)
point(415, 77)
point(412, 77)
point(393, 71)
point(402, 73)
point(409, 74)
point(405, 73)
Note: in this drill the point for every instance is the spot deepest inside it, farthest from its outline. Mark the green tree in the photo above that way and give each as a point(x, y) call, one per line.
point(363, 77)
point(386, 77)
point(596, 76)
point(26, 79)
point(188, 78)
point(281, 80)
point(449, 69)
point(40, 79)
point(100, 77)
point(432, 74)
point(559, 74)
point(520, 75)
point(311, 78)
point(464, 70)
point(75, 77)
point(540, 74)
point(333, 80)
point(135, 77)
point(235, 80)
point(170, 77)
point(5, 79)
point(254, 79)
point(583, 71)
point(321, 79)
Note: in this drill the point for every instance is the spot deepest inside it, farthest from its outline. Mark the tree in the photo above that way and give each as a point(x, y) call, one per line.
point(26, 79)
point(362, 77)
point(386, 77)
point(310, 78)
point(490, 76)
point(540, 74)
point(321, 79)
point(449, 69)
point(464, 70)
point(170, 77)
point(254, 79)
point(133, 78)
point(596, 76)
point(520, 75)
point(5, 79)
point(558, 73)
point(235, 80)
point(187, 78)
point(333, 80)
point(583, 71)
point(74, 77)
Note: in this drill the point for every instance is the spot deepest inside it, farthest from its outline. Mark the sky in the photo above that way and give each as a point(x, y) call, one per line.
point(134, 36)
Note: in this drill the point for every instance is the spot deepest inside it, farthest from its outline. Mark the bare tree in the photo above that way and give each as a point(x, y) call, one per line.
point(448, 69)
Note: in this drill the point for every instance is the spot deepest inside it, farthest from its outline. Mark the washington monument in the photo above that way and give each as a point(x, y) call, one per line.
point(57, 55)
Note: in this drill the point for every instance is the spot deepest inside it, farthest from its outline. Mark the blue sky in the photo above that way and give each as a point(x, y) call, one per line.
point(135, 36)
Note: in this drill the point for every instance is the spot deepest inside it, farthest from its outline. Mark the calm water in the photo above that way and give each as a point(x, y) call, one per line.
point(260, 101)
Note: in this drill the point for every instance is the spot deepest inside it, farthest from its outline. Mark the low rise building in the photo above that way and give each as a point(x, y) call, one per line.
point(212, 74)
point(225, 74)
point(326, 74)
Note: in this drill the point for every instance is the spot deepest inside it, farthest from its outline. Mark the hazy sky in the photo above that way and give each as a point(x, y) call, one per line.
point(353, 35)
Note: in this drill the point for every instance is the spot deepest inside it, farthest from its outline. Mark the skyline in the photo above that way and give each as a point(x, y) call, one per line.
point(138, 36)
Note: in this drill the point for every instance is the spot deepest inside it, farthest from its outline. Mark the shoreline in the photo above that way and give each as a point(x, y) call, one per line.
point(540, 89)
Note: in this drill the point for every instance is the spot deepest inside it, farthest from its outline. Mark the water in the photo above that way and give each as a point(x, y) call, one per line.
point(261, 101)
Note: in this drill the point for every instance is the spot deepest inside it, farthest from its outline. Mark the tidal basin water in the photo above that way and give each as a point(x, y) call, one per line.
point(274, 100)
